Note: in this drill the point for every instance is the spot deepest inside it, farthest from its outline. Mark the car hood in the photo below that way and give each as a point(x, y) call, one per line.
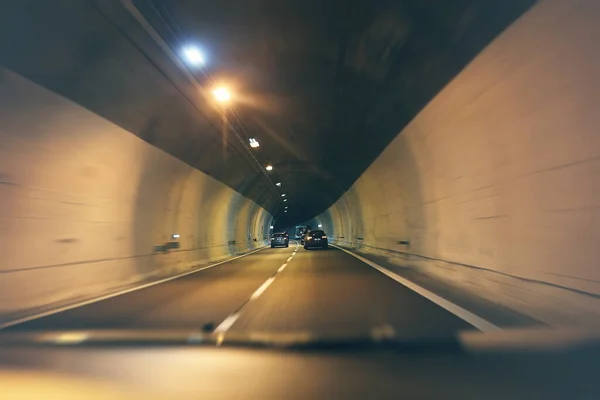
point(536, 340)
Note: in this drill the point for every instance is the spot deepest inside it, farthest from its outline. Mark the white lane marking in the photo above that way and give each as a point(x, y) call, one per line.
point(108, 296)
point(290, 259)
point(230, 320)
point(227, 323)
point(262, 288)
point(455, 309)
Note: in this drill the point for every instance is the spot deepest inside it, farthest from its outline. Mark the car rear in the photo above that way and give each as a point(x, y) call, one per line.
point(315, 239)
point(280, 240)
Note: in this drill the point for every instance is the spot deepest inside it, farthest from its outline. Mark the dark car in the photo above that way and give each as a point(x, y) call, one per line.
point(280, 239)
point(316, 238)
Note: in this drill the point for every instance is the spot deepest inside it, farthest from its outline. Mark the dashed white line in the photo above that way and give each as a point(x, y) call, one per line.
point(262, 288)
point(226, 324)
point(230, 320)
point(119, 293)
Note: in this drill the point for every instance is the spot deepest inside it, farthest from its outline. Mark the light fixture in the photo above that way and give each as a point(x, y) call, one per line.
point(221, 94)
point(282, 194)
point(193, 56)
point(320, 226)
point(269, 167)
point(254, 143)
point(284, 199)
point(271, 227)
point(176, 236)
point(278, 184)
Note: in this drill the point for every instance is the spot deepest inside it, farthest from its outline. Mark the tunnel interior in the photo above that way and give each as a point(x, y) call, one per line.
point(323, 86)
point(454, 138)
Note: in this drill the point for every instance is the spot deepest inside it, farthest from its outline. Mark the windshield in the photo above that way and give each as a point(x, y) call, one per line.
point(319, 169)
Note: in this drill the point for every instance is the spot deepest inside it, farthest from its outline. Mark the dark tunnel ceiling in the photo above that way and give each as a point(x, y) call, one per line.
point(326, 84)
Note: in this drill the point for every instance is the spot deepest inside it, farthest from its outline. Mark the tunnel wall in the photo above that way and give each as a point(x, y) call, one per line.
point(84, 204)
point(495, 184)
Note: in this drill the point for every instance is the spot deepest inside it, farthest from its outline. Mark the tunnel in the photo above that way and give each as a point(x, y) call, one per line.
point(456, 144)
point(299, 199)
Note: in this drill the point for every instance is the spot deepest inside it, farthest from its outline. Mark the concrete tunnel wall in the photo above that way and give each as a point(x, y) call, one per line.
point(495, 184)
point(84, 203)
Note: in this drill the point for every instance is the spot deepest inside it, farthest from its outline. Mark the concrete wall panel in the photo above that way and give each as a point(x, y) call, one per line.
point(501, 170)
point(84, 203)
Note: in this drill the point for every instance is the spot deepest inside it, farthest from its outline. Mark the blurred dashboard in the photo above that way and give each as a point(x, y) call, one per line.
point(478, 366)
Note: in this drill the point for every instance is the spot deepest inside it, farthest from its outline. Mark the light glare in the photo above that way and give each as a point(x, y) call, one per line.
point(193, 55)
point(222, 94)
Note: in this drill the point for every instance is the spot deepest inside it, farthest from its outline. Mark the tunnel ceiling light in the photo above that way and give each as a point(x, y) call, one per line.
point(284, 199)
point(278, 184)
point(254, 143)
point(222, 94)
point(282, 194)
point(271, 227)
point(176, 236)
point(320, 226)
point(269, 167)
point(193, 56)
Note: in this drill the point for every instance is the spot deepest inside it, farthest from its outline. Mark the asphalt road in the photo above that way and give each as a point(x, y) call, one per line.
point(318, 291)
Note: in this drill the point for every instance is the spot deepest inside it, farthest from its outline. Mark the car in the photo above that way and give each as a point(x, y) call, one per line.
point(299, 232)
point(302, 240)
point(280, 239)
point(316, 238)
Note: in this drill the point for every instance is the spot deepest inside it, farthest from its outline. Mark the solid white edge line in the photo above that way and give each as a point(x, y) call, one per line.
point(457, 310)
point(108, 296)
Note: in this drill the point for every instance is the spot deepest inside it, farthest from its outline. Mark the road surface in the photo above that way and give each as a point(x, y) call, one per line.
point(273, 290)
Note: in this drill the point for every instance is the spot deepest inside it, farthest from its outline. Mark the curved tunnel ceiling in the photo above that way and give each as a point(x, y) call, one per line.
point(323, 85)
